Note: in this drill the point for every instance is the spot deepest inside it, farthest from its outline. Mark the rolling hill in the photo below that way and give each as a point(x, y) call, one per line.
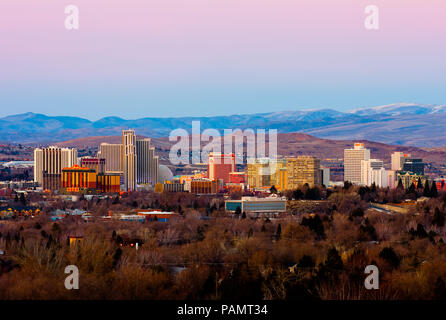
point(405, 124)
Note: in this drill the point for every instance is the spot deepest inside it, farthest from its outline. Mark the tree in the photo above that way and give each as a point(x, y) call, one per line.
point(438, 218)
point(306, 262)
point(298, 194)
point(244, 215)
point(419, 184)
point(312, 194)
point(116, 200)
point(367, 232)
point(278, 231)
point(314, 224)
point(389, 255)
point(420, 232)
point(439, 289)
point(55, 229)
point(357, 212)
point(238, 211)
point(426, 191)
point(400, 184)
point(434, 191)
point(273, 189)
point(22, 199)
point(334, 260)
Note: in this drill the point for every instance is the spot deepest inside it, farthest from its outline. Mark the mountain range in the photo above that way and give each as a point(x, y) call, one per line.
point(406, 124)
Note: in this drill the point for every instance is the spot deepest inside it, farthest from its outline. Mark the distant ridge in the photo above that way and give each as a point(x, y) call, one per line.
point(400, 123)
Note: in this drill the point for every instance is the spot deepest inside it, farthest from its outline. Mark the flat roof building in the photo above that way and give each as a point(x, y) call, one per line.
point(258, 206)
point(352, 162)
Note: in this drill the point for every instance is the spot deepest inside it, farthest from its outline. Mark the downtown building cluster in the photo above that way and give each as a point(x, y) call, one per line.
point(361, 169)
point(261, 175)
point(132, 166)
point(117, 167)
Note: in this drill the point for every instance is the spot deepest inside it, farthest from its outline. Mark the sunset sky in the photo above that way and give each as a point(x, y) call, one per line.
point(150, 58)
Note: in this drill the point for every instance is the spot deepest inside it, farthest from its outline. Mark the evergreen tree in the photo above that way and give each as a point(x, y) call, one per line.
point(434, 191)
point(426, 191)
point(278, 231)
point(419, 184)
point(400, 184)
point(412, 188)
point(438, 218)
point(273, 189)
point(244, 215)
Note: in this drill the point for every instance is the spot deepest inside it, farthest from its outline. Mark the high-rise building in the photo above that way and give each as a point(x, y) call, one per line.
point(302, 170)
point(398, 159)
point(414, 165)
point(220, 166)
point(129, 159)
point(49, 162)
point(112, 153)
point(204, 186)
point(264, 172)
point(325, 176)
point(352, 162)
point(98, 165)
point(86, 180)
point(367, 170)
point(147, 164)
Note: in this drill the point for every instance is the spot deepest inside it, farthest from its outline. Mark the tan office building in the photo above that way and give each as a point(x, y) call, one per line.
point(112, 153)
point(302, 170)
point(264, 172)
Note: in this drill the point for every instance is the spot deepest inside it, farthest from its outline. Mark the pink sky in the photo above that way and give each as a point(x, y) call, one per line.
point(219, 44)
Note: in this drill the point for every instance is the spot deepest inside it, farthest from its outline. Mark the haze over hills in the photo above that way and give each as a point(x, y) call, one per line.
point(401, 124)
